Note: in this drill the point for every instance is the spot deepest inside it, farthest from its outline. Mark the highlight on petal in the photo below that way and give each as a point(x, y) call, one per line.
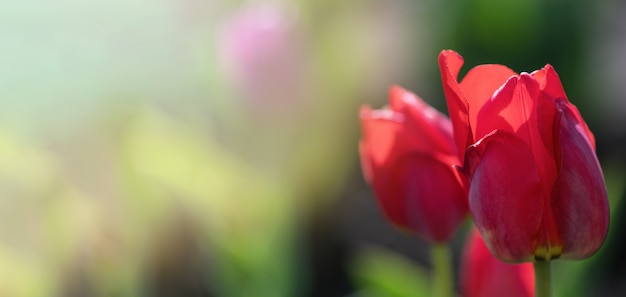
point(483, 275)
point(579, 197)
point(479, 85)
point(511, 108)
point(428, 193)
point(506, 195)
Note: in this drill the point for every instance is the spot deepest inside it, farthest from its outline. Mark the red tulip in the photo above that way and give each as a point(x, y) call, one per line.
point(409, 157)
point(483, 275)
point(537, 190)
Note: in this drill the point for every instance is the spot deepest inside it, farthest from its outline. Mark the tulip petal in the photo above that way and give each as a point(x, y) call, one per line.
point(392, 157)
point(428, 193)
point(450, 63)
point(549, 82)
point(380, 131)
point(376, 148)
point(510, 108)
point(483, 275)
point(551, 87)
point(465, 99)
point(506, 196)
point(431, 130)
point(579, 197)
point(480, 83)
point(583, 126)
point(516, 108)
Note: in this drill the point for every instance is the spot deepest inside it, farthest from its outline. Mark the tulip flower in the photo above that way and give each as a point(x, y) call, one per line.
point(537, 191)
point(483, 275)
point(409, 157)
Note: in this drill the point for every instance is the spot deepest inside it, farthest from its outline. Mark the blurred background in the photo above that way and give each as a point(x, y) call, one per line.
point(209, 147)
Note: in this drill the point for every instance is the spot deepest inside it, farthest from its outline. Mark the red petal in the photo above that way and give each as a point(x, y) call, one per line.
point(579, 197)
point(426, 197)
point(510, 108)
point(380, 129)
point(552, 89)
point(465, 99)
point(479, 85)
point(432, 131)
point(380, 132)
point(450, 63)
point(403, 168)
point(515, 108)
point(506, 196)
point(549, 82)
point(482, 275)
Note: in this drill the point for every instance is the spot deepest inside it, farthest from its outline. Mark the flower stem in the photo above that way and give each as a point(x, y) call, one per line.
point(543, 283)
point(442, 268)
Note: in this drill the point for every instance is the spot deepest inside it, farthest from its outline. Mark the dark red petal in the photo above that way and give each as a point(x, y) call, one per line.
point(515, 108)
point(426, 197)
point(432, 131)
point(506, 196)
point(583, 126)
point(450, 63)
point(479, 85)
point(579, 197)
point(482, 275)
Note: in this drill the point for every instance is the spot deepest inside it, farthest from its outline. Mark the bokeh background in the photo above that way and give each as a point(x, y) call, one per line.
point(209, 147)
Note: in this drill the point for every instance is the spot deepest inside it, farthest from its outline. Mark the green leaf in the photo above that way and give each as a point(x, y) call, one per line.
point(383, 273)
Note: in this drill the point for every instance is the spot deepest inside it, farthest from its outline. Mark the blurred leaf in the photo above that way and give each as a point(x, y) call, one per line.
point(383, 273)
point(28, 176)
point(247, 214)
point(24, 276)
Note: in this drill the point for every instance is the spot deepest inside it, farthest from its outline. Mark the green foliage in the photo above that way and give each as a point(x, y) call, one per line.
point(382, 273)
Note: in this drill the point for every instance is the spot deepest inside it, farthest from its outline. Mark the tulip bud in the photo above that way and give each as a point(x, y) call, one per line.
point(537, 190)
point(483, 275)
point(409, 157)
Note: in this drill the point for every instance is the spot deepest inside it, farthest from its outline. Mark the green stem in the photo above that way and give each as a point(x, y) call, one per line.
point(442, 268)
point(543, 279)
